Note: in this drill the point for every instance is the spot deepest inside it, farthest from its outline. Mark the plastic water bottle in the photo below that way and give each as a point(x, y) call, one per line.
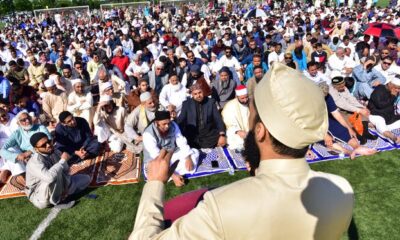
point(341, 156)
point(231, 171)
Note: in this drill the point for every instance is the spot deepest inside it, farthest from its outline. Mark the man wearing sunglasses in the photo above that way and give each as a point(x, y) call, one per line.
point(17, 149)
point(47, 175)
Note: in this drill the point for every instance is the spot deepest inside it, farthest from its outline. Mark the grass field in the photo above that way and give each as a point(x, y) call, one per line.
point(111, 216)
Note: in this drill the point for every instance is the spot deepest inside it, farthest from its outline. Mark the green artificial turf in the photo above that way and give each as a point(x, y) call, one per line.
point(111, 216)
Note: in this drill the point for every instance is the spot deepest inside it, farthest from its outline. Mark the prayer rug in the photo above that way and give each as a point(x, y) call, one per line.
point(118, 168)
point(211, 161)
point(15, 186)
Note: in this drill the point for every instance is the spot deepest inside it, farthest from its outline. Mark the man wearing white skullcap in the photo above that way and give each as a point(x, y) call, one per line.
point(158, 77)
point(285, 199)
point(107, 88)
point(80, 101)
point(236, 115)
point(109, 121)
point(139, 119)
point(54, 101)
point(382, 106)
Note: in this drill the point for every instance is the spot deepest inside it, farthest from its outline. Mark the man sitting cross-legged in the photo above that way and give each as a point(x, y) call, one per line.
point(163, 133)
point(47, 175)
point(382, 107)
point(73, 135)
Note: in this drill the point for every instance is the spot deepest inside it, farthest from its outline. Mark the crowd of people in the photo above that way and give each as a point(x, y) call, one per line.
point(169, 78)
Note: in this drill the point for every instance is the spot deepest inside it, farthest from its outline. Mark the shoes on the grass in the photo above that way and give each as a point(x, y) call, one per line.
point(66, 205)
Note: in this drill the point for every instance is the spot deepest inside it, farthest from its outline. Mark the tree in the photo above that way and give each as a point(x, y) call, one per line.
point(23, 5)
point(6, 6)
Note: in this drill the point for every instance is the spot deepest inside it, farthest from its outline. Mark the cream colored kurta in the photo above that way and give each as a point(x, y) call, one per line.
point(285, 200)
point(54, 104)
point(236, 117)
point(81, 106)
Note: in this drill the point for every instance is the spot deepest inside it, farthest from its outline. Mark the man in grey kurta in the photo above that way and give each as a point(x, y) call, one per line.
point(223, 88)
point(47, 174)
point(138, 120)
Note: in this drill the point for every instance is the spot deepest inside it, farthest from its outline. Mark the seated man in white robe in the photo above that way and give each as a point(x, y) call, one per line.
point(47, 175)
point(139, 119)
point(173, 95)
point(80, 101)
point(108, 89)
point(163, 133)
point(235, 116)
point(7, 126)
point(109, 122)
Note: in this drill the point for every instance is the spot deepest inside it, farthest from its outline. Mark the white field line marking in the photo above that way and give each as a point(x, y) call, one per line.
point(45, 223)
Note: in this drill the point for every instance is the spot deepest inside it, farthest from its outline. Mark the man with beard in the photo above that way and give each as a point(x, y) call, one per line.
point(173, 95)
point(139, 119)
point(133, 98)
point(236, 115)
point(314, 75)
point(165, 134)
point(17, 150)
point(36, 72)
point(258, 73)
point(382, 106)
point(80, 101)
point(120, 61)
point(66, 79)
point(257, 61)
point(275, 149)
point(223, 88)
point(74, 136)
point(158, 77)
point(109, 122)
point(201, 122)
point(54, 101)
point(47, 175)
point(348, 105)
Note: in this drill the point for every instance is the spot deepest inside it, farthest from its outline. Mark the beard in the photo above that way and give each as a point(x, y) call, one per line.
point(27, 128)
point(224, 84)
point(251, 152)
point(176, 87)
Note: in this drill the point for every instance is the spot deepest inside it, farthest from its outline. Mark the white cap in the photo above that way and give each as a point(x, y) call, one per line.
point(75, 81)
point(395, 81)
point(191, 41)
point(104, 86)
point(239, 39)
point(49, 83)
point(105, 99)
point(145, 96)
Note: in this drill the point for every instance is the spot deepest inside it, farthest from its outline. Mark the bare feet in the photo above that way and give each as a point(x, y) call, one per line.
point(178, 180)
point(4, 176)
point(363, 151)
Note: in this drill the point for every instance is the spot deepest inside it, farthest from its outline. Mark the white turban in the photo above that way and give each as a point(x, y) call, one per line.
point(49, 83)
point(145, 96)
point(75, 81)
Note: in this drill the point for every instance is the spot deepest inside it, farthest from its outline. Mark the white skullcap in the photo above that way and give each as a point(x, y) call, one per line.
point(117, 49)
point(49, 83)
point(239, 39)
point(205, 47)
point(105, 99)
point(104, 86)
point(159, 64)
point(145, 96)
point(291, 120)
point(191, 41)
point(395, 81)
point(75, 81)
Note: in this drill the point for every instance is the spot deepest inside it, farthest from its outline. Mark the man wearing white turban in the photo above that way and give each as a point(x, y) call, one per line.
point(80, 101)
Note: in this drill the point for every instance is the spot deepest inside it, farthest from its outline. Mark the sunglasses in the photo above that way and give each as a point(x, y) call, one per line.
point(48, 142)
point(387, 63)
point(24, 119)
point(386, 53)
point(288, 58)
point(3, 115)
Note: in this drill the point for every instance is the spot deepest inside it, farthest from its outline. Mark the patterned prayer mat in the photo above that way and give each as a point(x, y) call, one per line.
point(15, 185)
point(211, 161)
point(118, 168)
point(110, 168)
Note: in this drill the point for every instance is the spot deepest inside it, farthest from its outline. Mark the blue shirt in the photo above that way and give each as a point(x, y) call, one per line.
point(20, 140)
